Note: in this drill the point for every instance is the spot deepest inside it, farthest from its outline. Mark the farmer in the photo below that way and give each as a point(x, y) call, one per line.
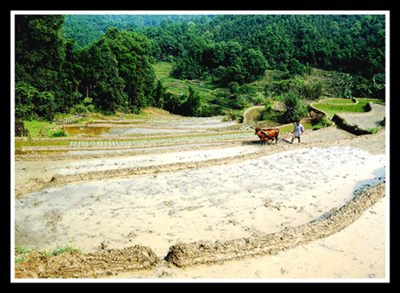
point(298, 131)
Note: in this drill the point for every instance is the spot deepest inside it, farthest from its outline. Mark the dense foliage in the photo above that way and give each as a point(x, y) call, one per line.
point(351, 43)
point(87, 29)
point(117, 71)
point(39, 56)
point(106, 62)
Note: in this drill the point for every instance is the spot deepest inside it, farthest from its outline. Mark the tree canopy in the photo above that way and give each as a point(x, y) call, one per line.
point(61, 60)
point(350, 43)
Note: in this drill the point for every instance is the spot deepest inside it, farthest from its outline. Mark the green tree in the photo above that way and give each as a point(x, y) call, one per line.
point(40, 53)
point(198, 47)
point(255, 64)
point(160, 94)
point(192, 105)
point(108, 86)
point(118, 70)
point(247, 92)
point(71, 74)
point(346, 82)
point(233, 87)
point(30, 103)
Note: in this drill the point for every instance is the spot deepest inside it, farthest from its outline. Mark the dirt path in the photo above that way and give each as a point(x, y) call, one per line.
point(158, 197)
point(247, 119)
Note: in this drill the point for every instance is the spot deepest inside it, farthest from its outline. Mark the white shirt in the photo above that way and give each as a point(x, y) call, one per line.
point(298, 129)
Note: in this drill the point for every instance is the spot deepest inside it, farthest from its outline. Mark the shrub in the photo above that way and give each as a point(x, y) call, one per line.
point(319, 123)
point(29, 102)
point(235, 115)
point(294, 110)
point(312, 91)
point(59, 133)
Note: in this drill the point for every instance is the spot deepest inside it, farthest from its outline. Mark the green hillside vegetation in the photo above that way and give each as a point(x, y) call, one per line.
point(192, 65)
point(87, 29)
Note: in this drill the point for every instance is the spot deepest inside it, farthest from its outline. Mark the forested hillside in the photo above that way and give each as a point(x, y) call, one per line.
point(106, 63)
point(222, 46)
point(86, 29)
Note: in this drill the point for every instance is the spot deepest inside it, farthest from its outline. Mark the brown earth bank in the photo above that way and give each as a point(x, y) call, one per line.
point(73, 264)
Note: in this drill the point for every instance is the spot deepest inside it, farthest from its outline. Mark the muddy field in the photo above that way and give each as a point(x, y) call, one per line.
point(213, 186)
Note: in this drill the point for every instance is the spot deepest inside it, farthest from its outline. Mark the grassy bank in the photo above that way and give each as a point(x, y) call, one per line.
point(331, 109)
point(25, 254)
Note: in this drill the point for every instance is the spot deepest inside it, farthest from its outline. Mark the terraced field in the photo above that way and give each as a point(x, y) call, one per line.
point(139, 195)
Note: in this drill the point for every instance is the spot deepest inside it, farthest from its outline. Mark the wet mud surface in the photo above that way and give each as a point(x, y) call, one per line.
point(190, 203)
point(210, 203)
point(367, 120)
point(137, 127)
point(188, 254)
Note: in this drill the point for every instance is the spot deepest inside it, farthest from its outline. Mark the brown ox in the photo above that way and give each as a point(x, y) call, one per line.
point(264, 134)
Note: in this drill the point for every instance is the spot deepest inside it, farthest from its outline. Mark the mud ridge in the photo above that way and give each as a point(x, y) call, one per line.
point(73, 264)
point(138, 136)
point(130, 151)
point(35, 184)
point(203, 252)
